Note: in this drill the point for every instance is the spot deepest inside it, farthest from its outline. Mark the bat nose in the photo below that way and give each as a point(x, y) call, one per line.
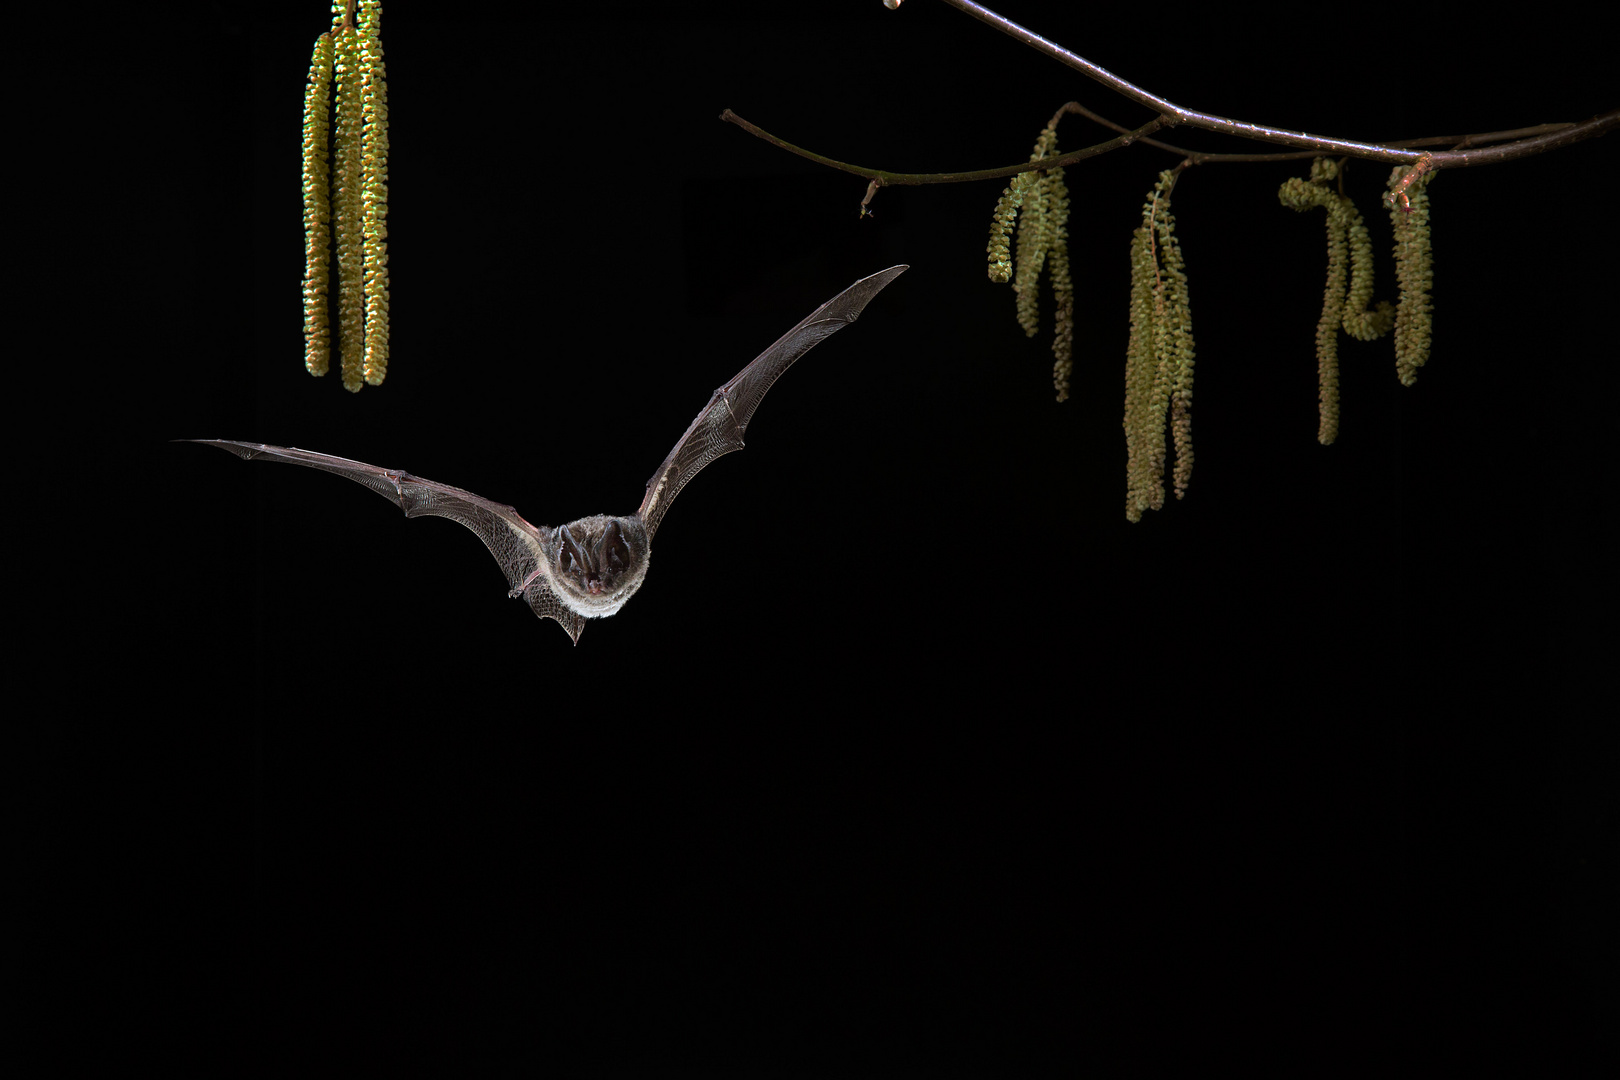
point(593, 584)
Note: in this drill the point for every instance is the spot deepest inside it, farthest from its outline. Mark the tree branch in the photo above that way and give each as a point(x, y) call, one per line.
point(1525, 142)
point(1450, 159)
point(1199, 157)
point(1517, 143)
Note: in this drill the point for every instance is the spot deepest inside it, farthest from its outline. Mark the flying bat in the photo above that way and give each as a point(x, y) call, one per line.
point(589, 568)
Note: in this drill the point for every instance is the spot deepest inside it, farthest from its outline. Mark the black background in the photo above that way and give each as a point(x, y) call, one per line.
point(913, 753)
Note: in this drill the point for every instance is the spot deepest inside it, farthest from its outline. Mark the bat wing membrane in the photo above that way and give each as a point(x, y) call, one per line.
point(719, 428)
point(518, 546)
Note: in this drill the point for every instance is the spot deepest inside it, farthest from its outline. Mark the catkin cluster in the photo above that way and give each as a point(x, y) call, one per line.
point(1158, 358)
point(1042, 242)
point(346, 196)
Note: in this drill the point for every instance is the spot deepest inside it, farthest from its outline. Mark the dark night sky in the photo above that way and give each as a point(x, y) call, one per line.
point(912, 752)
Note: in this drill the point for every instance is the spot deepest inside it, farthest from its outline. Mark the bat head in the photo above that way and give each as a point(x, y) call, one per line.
point(597, 563)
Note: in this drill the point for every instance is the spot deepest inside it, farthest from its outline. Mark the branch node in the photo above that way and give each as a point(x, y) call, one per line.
point(1397, 191)
point(871, 190)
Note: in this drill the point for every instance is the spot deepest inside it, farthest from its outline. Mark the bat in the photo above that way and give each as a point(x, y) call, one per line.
point(589, 568)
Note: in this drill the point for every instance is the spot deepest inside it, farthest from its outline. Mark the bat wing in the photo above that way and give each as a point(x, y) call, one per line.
point(718, 429)
point(518, 546)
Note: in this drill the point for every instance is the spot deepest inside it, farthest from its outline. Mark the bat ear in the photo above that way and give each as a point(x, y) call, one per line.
point(613, 553)
point(568, 555)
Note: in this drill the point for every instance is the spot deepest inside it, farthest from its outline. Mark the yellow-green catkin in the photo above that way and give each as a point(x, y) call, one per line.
point(1001, 227)
point(1362, 321)
point(1414, 271)
point(1300, 194)
point(1158, 358)
point(347, 212)
point(374, 191)
point(1174, 342)
point(317, 208)
point(1349, 288)
point(1035, 237)
point(1143, 491)
point(1062, 297)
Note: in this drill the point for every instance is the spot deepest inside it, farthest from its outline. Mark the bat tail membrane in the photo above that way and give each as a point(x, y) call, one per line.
point(544, 603)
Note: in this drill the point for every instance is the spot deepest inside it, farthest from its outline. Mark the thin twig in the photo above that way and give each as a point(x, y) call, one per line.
point(885, 178)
